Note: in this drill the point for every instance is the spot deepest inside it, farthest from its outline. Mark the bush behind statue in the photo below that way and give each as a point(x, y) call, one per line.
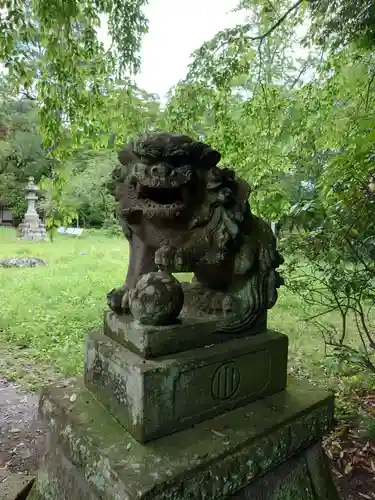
point(111, 227)
point(331, 266)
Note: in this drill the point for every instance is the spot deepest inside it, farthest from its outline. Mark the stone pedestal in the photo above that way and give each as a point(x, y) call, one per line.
point(154, 397)
point(209, 419)
point(91, 457)
point(31, 228)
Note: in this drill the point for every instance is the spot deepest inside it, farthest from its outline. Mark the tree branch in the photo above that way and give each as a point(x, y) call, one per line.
point(369, 85)
point(264, 35)
point(27, 95)
point(278, 22)
point(297, 78)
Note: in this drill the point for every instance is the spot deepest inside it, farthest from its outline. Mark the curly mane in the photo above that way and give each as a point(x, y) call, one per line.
point(224, 211)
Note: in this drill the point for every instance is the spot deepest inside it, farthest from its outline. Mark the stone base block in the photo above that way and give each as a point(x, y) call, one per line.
point(154, 397)
point(91, 457)
point(153, 341)
point(15, 486)
point(304, 477)
point(32, 231)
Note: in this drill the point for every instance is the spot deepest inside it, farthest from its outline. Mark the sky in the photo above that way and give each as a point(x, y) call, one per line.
point(176, 29)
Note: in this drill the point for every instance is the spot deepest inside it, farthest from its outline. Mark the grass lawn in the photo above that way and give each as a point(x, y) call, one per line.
point(46, 311)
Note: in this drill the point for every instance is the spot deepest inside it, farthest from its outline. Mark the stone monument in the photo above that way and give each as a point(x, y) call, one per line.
point(185, 392)
point(31, 228)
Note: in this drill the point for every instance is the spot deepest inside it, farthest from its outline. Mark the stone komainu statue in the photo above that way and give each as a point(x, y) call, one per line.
point(182, 213)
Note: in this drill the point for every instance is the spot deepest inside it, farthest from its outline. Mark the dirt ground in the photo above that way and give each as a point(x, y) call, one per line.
point(22, 442)
point(22, 435)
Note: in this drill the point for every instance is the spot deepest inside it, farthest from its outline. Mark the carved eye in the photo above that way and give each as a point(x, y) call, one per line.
point(160, 170)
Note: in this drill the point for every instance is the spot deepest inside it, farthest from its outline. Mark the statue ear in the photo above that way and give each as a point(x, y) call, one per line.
point(126, 156)
point(210, 157)
point(202, 154)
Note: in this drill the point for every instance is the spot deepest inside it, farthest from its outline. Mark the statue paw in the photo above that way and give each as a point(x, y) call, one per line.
point(118, 300)
point(157, 299)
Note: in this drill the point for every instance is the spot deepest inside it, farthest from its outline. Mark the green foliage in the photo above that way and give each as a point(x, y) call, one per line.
point(247, 78)
point(53, 54)
point(274, 131)
point(111, 227)
point(70, 74)
point(242, 93)
point(256, 144)
point(339, 22)
point(21, 151)
point(80, 192)
point(245, 53)
point(86, 189)
point(367, 426)
point(336, 226)
point(74, 187)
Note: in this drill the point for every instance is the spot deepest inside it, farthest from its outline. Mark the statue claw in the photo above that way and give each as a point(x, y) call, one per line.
point(114, 299)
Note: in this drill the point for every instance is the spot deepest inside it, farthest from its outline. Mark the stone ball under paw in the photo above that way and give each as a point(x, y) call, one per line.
point(157, 299)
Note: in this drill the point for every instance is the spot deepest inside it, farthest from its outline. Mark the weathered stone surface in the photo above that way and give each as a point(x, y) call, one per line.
point(59, 479)
point(295, 479)
point(15, 486)
point(182, 213)
point(152, 341)
point(22, 262)
point(305, 477)
point(31, 228)
point(212, 460)
point(157, 299)
point(154, 397)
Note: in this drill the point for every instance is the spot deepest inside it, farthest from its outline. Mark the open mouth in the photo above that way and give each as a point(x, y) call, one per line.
point(162, 196)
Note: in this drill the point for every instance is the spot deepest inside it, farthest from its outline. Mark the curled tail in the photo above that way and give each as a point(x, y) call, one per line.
point(259, 291)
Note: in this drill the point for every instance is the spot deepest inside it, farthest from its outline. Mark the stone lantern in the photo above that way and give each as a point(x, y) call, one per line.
point(32, 228)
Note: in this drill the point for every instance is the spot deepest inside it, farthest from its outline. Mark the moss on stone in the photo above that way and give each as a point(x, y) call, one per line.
point(153, 397)
point(212, 460)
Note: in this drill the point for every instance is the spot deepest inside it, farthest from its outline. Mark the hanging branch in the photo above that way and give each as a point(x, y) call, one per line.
point(231, 37)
